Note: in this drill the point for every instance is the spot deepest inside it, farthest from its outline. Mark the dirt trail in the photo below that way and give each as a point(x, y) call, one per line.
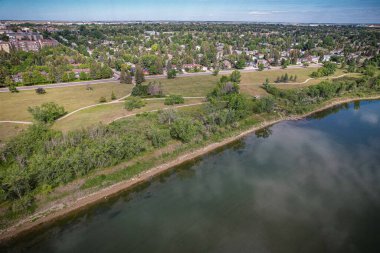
point(17, 122)
point(309, 79)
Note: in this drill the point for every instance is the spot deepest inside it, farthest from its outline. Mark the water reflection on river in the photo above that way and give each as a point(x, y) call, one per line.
point(305, 186)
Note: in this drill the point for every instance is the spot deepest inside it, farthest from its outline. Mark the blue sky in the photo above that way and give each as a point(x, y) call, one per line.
point(321, 11)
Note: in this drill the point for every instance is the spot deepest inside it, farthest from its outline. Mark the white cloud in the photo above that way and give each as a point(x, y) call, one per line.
point(370, 118)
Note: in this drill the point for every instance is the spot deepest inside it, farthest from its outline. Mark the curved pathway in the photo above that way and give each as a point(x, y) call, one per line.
point(17, 122)
point(322, 78)
point(90, 106)
point(156, 110)
point(120, 100)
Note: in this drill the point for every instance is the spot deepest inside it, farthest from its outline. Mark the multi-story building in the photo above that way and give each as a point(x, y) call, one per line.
point(25, 45)
point(24, 35)
point(32, 45)
point(48, 43)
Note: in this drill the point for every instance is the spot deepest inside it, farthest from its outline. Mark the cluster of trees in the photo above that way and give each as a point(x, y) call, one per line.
point(126, 76)
point(328, 69)
point(41, 158)
point(151, 89)
point(49, 65)
point(300, 100)
point(286, 78)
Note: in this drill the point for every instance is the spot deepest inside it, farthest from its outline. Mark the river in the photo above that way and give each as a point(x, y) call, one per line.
point(311, 185)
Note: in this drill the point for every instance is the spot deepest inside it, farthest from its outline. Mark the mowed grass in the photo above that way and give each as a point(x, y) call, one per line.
point(194, 86)
point(251, 82)
point(197, 86)
point(14, 105)
point(107, 113)
point(338, 73)
point(9, 130)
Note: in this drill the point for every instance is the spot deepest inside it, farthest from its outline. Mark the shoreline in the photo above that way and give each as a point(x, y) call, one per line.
point(59, 211)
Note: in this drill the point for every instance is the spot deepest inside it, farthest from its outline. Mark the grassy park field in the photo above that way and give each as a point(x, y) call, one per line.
point(106, 113)
point(14, 105)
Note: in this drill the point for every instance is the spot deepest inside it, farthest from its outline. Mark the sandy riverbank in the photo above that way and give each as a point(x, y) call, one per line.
point(58, 211)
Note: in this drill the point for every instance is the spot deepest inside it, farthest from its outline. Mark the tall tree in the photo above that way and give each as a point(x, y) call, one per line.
point(122, 76)
point(139, 75)
point(128, 77)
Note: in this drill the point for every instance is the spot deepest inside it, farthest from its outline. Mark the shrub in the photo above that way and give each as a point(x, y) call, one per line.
point(12, 88)
point(167, 116)
point(154, 89)
point(265, 104)
point(47, 112)
point(134, 102)
point(159, 137)
point(140, 90)
point(24, 204)
point(102, 100)
point(184, 129)
point(40, 91)
point(113, 97)
point(172, 74)
point(174, 100)
point(235, 76)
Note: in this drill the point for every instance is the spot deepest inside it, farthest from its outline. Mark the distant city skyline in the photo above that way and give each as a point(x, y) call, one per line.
point(291, 11)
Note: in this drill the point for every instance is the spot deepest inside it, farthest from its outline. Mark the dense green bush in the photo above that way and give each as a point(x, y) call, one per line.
point(185, 129)
point(265, 104)
point(159, 137)
point(40, 91)
point(102, 100)
point(174, 100)
point(47, 112)
point(134, 103)
point(172, 74)
point(41, 156)
point(140, 90)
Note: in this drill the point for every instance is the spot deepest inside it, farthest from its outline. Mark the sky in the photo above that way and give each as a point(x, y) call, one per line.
point(293, 11)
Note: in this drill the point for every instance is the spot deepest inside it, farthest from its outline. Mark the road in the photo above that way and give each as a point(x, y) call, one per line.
point(113, 80)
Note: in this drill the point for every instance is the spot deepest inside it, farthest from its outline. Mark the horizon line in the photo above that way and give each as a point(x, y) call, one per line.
point(198, 21)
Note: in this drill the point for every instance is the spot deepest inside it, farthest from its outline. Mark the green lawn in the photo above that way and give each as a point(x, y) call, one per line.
point(106, 113)
point(194, 86)
point(14, 105)
point(251, 81)
point(8, 130)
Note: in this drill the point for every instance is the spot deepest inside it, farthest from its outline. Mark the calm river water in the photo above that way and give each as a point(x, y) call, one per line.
point(303, 186)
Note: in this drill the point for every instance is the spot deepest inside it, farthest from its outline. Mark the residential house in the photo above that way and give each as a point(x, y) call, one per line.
point(327, 57)
point(227, 64)
point(78, 71)
point(4, 46)
point(17, 78)
point(193, 66)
